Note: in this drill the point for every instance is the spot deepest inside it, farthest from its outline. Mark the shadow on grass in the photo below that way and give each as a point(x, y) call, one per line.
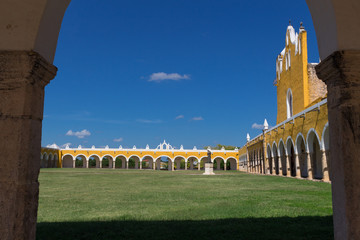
point(247, 228)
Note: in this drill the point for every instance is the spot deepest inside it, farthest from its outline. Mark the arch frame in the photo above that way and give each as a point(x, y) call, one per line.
point(308, 142)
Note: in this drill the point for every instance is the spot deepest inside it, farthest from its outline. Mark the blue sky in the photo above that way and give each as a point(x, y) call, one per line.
point(193, 72)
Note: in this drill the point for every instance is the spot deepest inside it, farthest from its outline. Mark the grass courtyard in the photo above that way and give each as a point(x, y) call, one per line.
point(145, 204)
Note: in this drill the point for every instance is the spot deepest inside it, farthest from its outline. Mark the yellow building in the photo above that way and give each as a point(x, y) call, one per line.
point(176, 159)
point(298, 146)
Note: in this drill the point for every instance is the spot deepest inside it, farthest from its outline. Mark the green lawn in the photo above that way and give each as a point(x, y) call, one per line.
point(146, 204)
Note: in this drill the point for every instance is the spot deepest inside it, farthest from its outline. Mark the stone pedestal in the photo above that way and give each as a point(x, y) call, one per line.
point(209, 169)
point(23, 77)
point(341, 73)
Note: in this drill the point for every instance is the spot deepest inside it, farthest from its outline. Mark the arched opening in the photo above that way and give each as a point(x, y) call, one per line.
point(163, 163)
point(134, 162)
point(193, 163)
point(67, 161)
point(147, 162)
point(289, 103)
point(56, 160)
point(49, 161)
point(291, 157)
point(80, 161)
point(276, 159)
point(315, 155)
point(302, 155)
point(107, 161)
point(231, 164)
point(326, 143)
point(44, 159)
point(219, 163)
point(202, 162)
point(270, 159)
point(94, 161)
point(120, 162)
point(283, 158)
point(179, 163)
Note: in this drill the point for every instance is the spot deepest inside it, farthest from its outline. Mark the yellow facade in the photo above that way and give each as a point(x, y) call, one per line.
point(140, 154)
point(298, 145)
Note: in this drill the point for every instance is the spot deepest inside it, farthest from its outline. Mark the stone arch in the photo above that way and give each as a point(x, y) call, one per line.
point(325, 139)
point(202, 161)
point(44, 159)
point(270, 158)
point(107, 161)
point(231, 163)
point(180, 162)
point(291, 156)
point(283, 156)
point(134, 162)
point(67, 161)
point(94, 161)
point(80, 161)
point(120, 161)
point(219, 163)
point(276, 158)
point(301, 151)
point(161, 165)
point(193, 162)
point(147, 162)
point(56, 160)
point(313, 143)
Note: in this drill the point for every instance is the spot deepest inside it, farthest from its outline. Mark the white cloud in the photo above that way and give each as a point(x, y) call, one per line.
point(81, 134)
point(148, 121)
point(161, 76)
point(118, 139)
point(179, 117)
point(197, 119)
point(257, 126)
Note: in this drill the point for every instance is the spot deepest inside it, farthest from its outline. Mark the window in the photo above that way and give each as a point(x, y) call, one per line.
point(289, 104)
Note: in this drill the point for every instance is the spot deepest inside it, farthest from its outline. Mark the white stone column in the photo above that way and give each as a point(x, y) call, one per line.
point(224, 165)
point(127, 164)
point(74, 163)
point(87, 163)
point(199, 165)
point(288, 165)
point(297, 167)
point(325, 168)
point(140, 164)
point(185, 165)
point(309, 166)
point(172, 165)
point(100, 163)
point(113, 164)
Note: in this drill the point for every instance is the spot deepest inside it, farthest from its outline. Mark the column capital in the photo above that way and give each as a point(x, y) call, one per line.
point(25, 66)
point(23, 77)
point(339, 68)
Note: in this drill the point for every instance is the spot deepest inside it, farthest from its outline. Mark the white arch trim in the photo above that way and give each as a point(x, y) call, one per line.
point(236, 160)
point(134, 155)
point(308, 135)
point(322, 144)
point(267, 150)
point(179, 156)
point(272, 149)
point(300, 135)
point(289, 139)
point(92, 155)
point(120, 155)
point(68, 154)
point(172, 160)
point(282, 141)
point(193, 157)
point(81, 155)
